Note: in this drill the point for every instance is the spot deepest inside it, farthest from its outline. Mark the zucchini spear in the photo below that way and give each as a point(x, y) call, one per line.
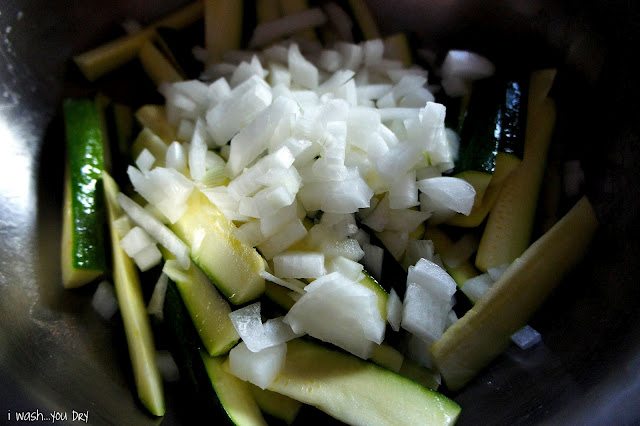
point(134, 314)
point(484, 331)
point(83, 210)
point(510, 224)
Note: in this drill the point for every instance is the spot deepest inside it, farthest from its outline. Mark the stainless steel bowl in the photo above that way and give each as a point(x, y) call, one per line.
point(56, 354)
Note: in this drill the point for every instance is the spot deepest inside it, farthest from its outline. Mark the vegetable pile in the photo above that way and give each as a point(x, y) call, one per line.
point(313, 187)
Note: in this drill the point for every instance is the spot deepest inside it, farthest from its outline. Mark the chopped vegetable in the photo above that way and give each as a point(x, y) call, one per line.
point(484, 332)
point(134, 314)
point(83, 258)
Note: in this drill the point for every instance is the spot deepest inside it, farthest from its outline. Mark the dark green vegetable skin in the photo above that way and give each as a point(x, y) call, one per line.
point(494, 122)
point(85, 156)
point(184, 344)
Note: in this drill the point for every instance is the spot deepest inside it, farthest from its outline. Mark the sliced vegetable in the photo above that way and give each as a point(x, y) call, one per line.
point(208, 310)
point(276, 405)
point(233, 266)
point(234, 394)
point(184, 344)
point(134, 314)
point(484, 331)
point(358, 392)
point(510, 224)
point(112, 55)
point(157, 66)
point(493, 130)
point(223, 27)
point(82, 251)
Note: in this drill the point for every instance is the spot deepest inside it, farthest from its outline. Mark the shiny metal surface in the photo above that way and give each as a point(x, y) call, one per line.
point(57, 354)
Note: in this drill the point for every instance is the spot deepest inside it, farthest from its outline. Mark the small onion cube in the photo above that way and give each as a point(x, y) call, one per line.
point(394, 310)
point(156, 304)
point(432, 277)
point(176, 158)
point(299, 265)
point(290, 233)
point(156, 229)
point(104, 300)
point(526, 337)
point(145, 160)
point(424, 315)
point(476, 287)
point(147, 258)
point(303, 72)
point(347, 267)
point(259, 368)
point(135, 241)
point(248, 323)
point(450, 192)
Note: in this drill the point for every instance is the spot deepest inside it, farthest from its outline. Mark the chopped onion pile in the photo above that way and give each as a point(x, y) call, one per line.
point(291, 143)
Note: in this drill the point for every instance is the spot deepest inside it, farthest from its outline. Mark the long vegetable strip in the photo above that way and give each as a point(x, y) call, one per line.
point(484, 331)
point(157, 66)
point(510, 224)
point(107, 57)
point(134, 314)
point(223, 27)
point(83, 212)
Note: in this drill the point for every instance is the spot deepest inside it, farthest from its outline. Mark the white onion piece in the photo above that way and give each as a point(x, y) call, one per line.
point(145, 160)
point(147, 258)
point(299, 265)
point(394, 310)
point(432, 277)
point(291, 233)
point(198, 151)
point(122, 225)
point(104, 300)
point(303, 72)
point(466, 65)
point(241, 107)
point(269, 31)
point(330, 60)
point(496, 273)
point(248, 323)
point(253, 139)
point(347, 267)
point(259, 368)
point(294, 285)
point(156, 304)
point(476, 287)
point(526, 337)
point(156, 229)
point(337, 310)
point(424, 314)
point(176, 158)
point(416, 250)
point(218, 91)
point(450, 192)
point(135, 241)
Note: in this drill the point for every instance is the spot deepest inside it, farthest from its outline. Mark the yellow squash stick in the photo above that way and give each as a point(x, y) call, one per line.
point(484, 331)
point(109, 56)
point(510, 224)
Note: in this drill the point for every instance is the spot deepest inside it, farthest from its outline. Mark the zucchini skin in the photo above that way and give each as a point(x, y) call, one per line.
point(85, 159)
point(495, 122)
